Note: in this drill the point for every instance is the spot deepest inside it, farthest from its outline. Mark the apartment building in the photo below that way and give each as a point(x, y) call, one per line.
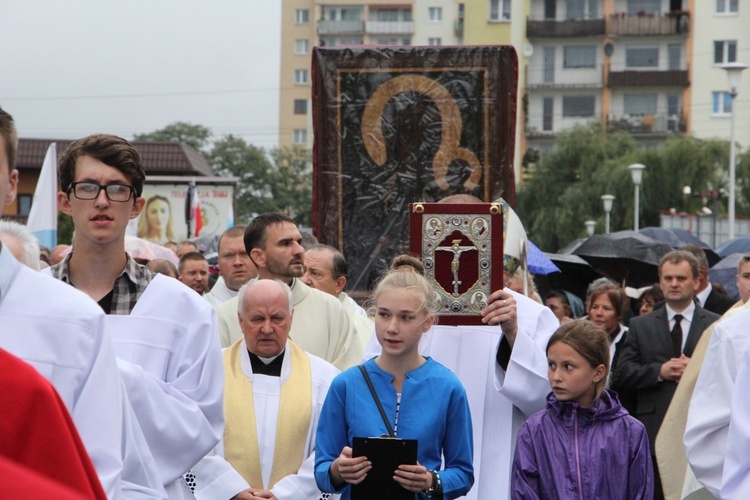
point(651, 68)
point(333, 23)
point(720, 36)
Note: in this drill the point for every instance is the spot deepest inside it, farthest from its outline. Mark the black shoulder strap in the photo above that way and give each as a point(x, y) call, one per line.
point(377, 401)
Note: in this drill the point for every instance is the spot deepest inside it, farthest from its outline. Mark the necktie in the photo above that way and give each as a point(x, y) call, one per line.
point(677, 336)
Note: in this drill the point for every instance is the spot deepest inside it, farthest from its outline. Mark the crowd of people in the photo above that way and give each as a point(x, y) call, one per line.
point(150, 380)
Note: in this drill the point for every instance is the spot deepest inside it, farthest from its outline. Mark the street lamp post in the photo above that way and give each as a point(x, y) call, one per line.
point(607, 200)
point(636, 172)
point(734, 75)
point(590, 225)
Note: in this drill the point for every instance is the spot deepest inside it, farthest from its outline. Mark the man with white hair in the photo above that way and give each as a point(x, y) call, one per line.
point(21, 243)
point(272, 388)
point(326, 270)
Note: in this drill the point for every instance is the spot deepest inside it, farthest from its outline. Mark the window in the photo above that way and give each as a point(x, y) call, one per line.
point(435, 14)
point(302, 16)
point(351, 13)
point(435, 41)
point(300, 136)
point(300, 76)
point(300, 106)
point(24, 204)
point(722, 103)
point(640, 104)
point(725, 51)
point(579, 56)
point(302, 46)
point(642, 57)
point(582, 9)
point(727, 6)
point(578, 105)
point(499, 10)
point(386, 15)
point(636, 7)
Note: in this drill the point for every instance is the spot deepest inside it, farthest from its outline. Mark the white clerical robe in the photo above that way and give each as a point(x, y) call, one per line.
point(219, 293)
point(168, 353)
point(363, 325)
point(215, 477)
point(736, 475)
point(707, 425)
point(61, 332)
point(320, 326)
point(500, 401)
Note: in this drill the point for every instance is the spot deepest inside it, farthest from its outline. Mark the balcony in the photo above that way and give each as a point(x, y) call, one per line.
point(389, 27)
point(670, 24)
point(566, 28)
point(654, 124)
point(341, 27)
point(459, 27)
point(651, 78)
point(539, 77)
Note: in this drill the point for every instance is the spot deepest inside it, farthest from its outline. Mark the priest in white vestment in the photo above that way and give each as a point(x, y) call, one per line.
point(707, 428)
point(502, 366)
point(321, 326)
point(163, 334)
point(274, 392)
point(326, 270)
point(235, 266)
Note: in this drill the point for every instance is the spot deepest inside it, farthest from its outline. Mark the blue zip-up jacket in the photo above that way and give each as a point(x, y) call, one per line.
point(569, 452)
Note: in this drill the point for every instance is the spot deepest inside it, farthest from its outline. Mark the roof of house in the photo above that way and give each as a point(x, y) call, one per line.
point(159, 158)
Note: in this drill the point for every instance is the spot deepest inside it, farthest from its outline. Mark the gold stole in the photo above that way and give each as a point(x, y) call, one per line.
point(293, 422)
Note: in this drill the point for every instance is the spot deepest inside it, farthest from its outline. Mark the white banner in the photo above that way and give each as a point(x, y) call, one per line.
point(164, 216)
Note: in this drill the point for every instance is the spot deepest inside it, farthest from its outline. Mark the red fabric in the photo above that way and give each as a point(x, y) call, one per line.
point(195, 214)
point(37, 432)
point(21, 483)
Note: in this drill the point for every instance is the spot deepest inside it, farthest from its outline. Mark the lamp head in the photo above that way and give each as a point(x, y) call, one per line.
point(636, 172)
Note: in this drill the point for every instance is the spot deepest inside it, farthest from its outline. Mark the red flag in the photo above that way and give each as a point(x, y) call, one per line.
point(195, 214)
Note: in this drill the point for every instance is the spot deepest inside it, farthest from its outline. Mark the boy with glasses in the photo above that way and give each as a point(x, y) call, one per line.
point(164, 335)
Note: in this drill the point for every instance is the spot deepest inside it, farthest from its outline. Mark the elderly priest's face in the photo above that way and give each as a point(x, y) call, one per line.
point(266, 317)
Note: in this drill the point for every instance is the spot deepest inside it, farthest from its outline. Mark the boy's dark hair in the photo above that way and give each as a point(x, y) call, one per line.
point(111, 150)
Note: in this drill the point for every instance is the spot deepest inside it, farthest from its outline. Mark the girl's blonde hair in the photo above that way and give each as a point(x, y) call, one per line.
point(588, 340)
point(407, 273)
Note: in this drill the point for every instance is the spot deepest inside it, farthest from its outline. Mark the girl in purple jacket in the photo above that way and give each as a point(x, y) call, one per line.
point(584, 445)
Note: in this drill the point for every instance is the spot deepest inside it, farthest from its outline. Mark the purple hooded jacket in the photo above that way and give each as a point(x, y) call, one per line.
point(569, 452)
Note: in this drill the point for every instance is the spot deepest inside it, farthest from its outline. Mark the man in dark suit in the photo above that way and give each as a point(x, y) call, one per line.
point(659, 344)
point(709, 299)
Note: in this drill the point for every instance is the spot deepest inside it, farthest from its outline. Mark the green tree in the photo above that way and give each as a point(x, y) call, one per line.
point(567, 186)
point(291, 183)
point(196, 136)
point(232, 156)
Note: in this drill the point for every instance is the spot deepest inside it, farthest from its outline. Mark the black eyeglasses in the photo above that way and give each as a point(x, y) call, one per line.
point(91, 190)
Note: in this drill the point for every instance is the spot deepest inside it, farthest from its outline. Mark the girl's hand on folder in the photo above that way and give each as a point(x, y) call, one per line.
point(414, 478)
point(348, 469)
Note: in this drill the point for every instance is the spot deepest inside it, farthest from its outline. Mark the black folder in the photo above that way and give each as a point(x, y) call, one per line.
point(386, 454)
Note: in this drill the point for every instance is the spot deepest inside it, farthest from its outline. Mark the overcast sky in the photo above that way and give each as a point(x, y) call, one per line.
point(74, 67)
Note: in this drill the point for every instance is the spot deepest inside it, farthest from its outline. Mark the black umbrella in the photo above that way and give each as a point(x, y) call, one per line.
point(678, 238)
point(575, 274)
point(629, 257)
point(568, 249)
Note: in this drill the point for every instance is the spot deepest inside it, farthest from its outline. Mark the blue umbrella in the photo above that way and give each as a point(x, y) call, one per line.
point(538, 262)
point(737, 245)
point(725, 272)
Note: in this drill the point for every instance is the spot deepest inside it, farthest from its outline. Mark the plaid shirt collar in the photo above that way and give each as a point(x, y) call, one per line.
point(128, 286)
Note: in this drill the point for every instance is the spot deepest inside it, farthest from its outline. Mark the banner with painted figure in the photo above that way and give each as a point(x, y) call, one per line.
point(165, 216)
